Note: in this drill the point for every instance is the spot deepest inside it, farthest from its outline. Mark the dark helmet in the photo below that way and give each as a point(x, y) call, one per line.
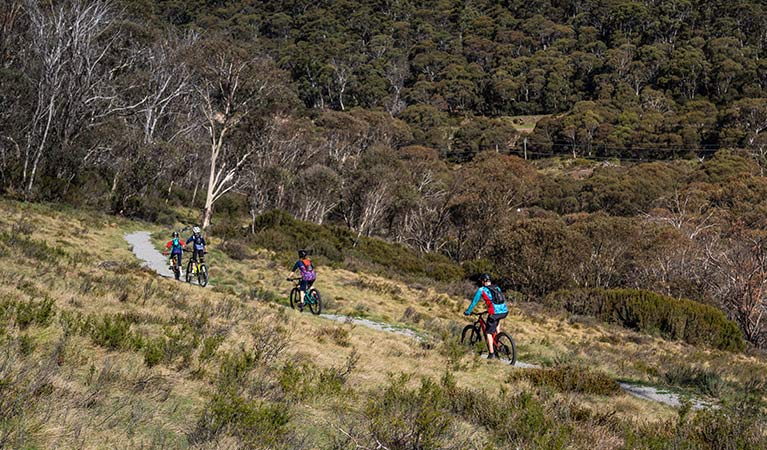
point(483, 278)
point(302, 253)
point(175, 234)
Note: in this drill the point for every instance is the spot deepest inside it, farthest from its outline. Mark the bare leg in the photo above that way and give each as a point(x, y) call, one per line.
point(490, 345)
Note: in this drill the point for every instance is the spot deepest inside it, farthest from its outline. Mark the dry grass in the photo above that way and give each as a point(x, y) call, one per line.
point(113, 399)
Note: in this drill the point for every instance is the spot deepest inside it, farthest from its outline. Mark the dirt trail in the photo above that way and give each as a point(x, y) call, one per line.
point(144, 250)
point(142, 247)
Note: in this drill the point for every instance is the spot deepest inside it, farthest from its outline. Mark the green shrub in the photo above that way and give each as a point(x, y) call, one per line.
point(302, 381)
point(152, 351)
point(704, 380)
point(711, 429)
point(648, 312)
point(32, 248)
point(114, 333)
point(209, 346)
point(30, 312)
point(402, 418)
point(570, 379)
point(257, 424)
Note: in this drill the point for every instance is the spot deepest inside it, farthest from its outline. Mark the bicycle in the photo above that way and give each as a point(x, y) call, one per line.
point(503, 343)
point(196, 266)
point(174, 266)
point(312, 297)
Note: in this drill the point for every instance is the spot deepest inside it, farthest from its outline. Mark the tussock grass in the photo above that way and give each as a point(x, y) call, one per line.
point(131, 360)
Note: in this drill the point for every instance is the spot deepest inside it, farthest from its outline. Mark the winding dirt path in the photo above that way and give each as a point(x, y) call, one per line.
point(141, 244)
point(142, 247)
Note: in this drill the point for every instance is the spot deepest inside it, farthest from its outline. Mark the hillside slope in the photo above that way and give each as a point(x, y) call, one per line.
point(99, 353)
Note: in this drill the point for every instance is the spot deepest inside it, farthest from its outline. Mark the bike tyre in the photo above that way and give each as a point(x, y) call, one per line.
point(294, 296)
point(188, 274)
point(202, 275)
point(505, 347)
point(315, 305)
point(470, 335)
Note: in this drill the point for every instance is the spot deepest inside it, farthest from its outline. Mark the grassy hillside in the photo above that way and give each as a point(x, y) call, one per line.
point(96, 352)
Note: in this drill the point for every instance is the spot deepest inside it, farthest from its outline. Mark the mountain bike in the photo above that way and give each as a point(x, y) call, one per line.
point(504, 344)
point(196, 267)
point(312, 297)
point(174, 266)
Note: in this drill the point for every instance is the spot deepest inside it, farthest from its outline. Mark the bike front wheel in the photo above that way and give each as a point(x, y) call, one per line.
point(505, 347)
point(202, 275)
point(295, 295)
point(189, 271)
point(470, 336)
point(315, 302)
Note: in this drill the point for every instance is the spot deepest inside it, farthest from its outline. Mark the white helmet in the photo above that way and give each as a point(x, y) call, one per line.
point(196, 230)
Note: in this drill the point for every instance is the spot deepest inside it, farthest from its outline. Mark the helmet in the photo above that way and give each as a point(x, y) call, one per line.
point(175, 234)
point(302, 253)
point(196, 230)
point(483, 278)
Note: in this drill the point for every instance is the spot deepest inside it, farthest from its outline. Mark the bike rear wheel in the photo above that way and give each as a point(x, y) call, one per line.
point(505, 347)
point(189, 271)
point(470, 336)
point(315, 302)
point(295, 295)
point(202, 275)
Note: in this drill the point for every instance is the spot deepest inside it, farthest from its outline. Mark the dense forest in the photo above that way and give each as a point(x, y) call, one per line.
point(412, 122)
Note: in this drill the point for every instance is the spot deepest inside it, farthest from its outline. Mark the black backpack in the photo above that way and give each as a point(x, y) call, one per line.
point(496, 295)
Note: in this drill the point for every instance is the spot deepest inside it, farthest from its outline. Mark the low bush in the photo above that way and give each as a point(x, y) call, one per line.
point(32, 248)
point(570, 379)
point(648, 312)
point(235, 249)
point(26, 313)
point(402, 418)
point(256, 424)
point(706, 381)
point(339, 335)
point(114, 333)
point(302, 381)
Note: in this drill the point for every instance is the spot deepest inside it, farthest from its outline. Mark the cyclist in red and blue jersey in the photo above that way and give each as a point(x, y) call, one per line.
point(308, 276)
point(176, 247)
point(198, 253)
point(495, 311)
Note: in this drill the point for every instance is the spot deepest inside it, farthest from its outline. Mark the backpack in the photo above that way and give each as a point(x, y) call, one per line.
point(307, 271)
point(177, 245)
point(496, 295)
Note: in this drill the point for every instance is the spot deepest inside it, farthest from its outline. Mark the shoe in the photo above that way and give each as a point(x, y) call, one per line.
point(492, 356)
point(301, 306)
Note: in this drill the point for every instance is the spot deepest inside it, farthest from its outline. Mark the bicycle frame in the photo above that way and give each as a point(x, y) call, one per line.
point(483, 326)
point(307, 298)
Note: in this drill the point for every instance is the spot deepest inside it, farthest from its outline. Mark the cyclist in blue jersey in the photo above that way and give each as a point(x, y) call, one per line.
point(495, 311)
point(198, 252)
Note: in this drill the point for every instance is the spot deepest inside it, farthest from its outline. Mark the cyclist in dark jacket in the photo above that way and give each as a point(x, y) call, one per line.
point(495, 311)
point(198, 252)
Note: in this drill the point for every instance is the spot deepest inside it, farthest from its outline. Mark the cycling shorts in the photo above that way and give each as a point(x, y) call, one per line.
point(492, 322)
